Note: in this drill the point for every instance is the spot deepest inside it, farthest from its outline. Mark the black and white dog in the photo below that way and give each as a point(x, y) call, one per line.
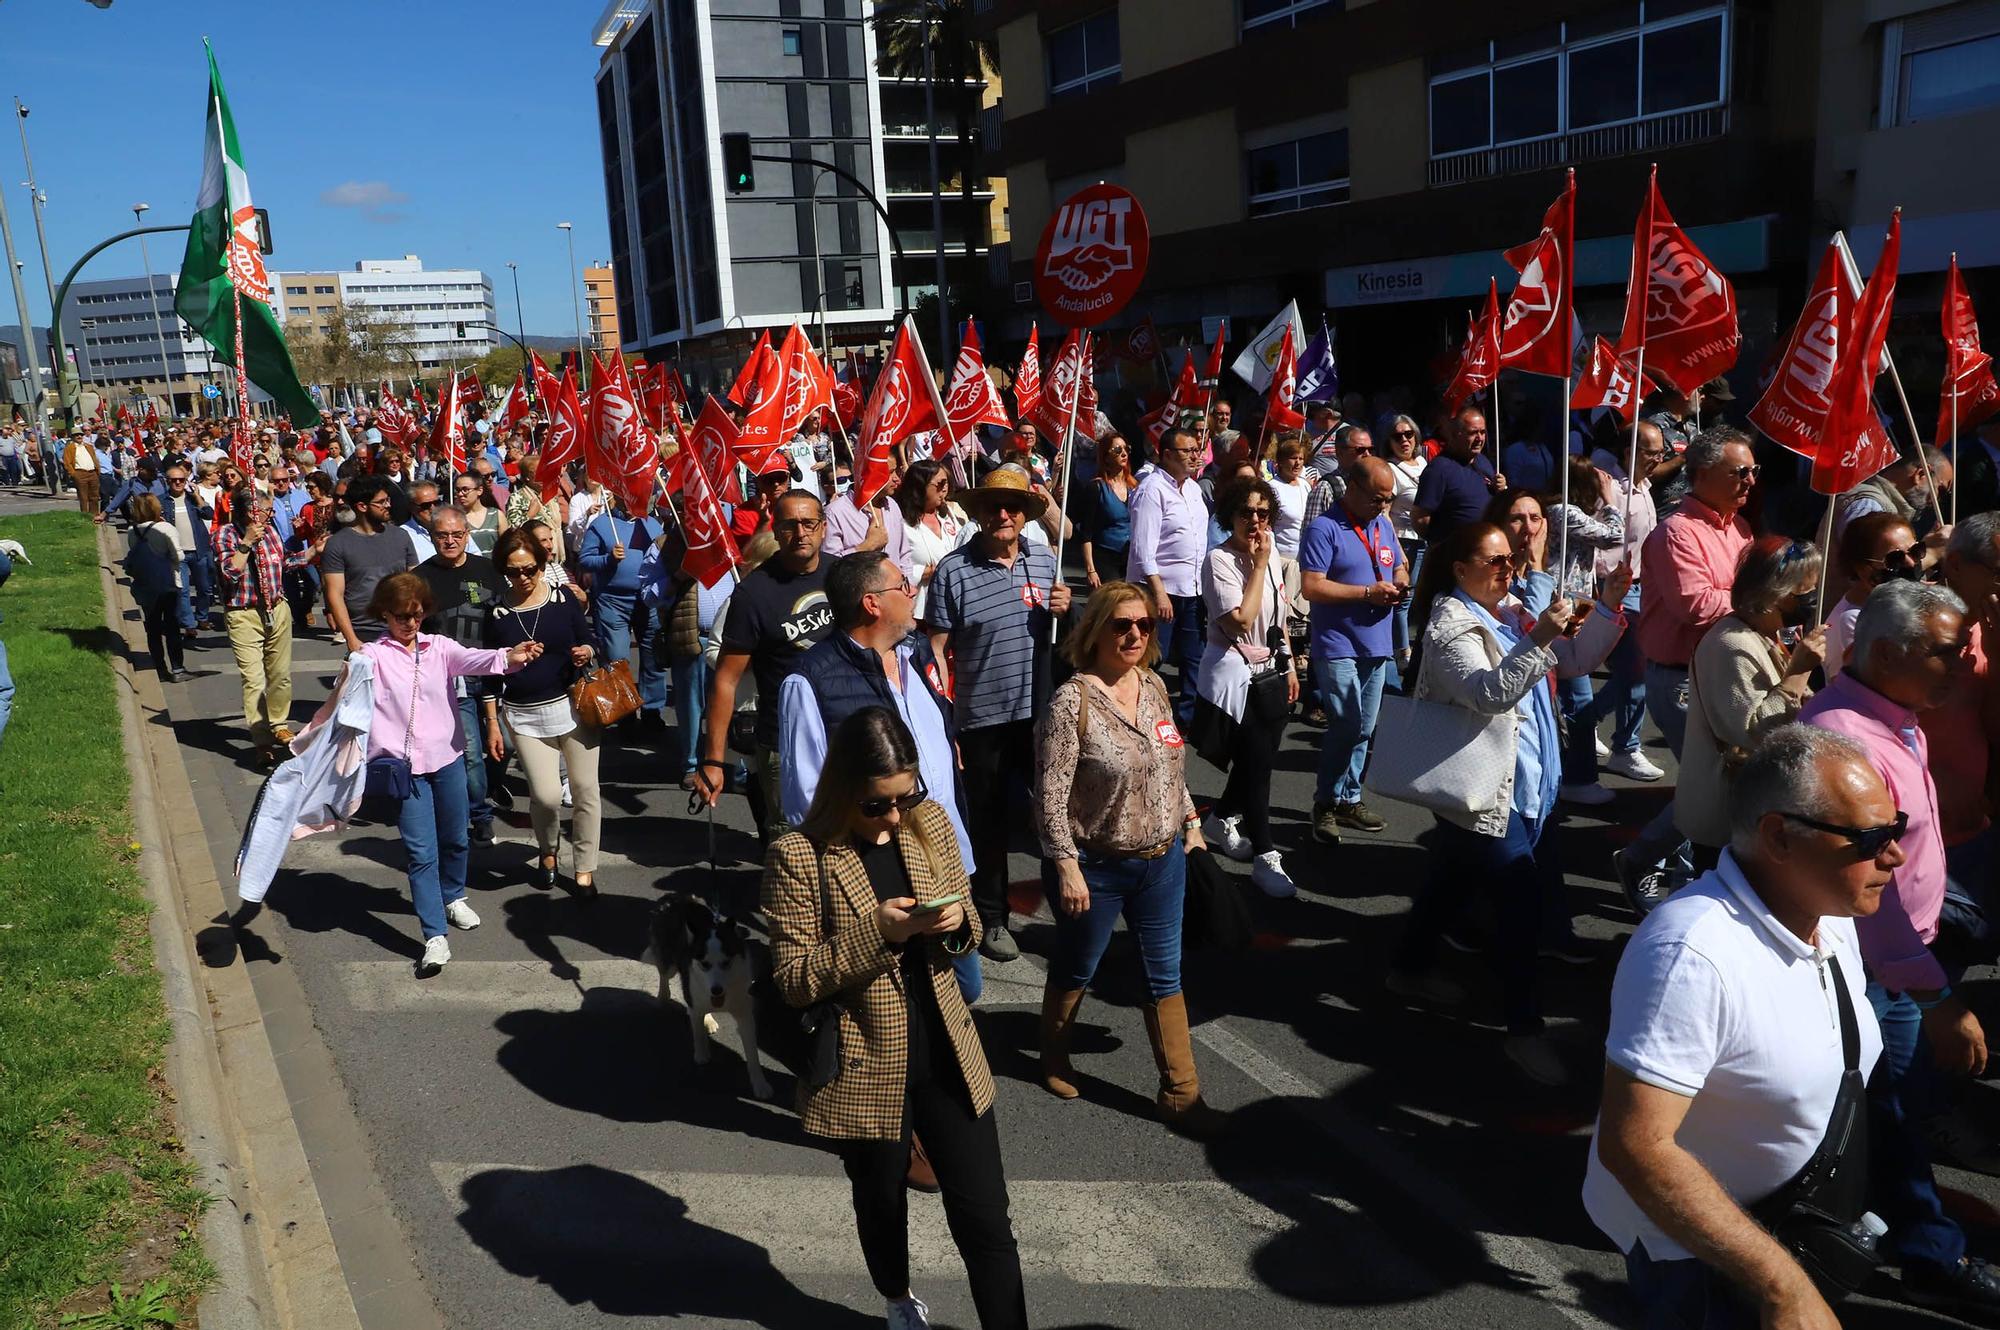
point(712, 957)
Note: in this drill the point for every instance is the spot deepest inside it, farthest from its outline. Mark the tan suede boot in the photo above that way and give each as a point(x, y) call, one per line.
point(1180, 1103)
point(1059, 1009)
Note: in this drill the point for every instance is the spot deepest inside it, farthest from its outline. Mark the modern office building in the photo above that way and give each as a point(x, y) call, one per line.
point(600, 306)
point(308, 297)
point(446, 313)
point(112, 328)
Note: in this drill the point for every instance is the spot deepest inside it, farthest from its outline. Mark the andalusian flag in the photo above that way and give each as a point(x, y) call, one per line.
point(224, 268)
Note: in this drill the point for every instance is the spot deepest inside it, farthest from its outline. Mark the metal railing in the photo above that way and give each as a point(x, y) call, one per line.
point(1634, 136)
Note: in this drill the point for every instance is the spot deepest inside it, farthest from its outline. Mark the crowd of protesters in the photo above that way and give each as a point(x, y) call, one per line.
point(888, 683)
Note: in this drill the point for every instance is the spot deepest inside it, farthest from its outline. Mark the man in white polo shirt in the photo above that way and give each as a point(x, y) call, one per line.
point(1725, 1054)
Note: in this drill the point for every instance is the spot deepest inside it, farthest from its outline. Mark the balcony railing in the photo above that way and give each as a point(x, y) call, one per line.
point(1583, 145)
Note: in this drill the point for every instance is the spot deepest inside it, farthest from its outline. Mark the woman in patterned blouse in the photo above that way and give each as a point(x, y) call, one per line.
point(1113, 812)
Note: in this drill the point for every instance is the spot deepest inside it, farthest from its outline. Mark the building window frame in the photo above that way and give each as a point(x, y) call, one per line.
point(1301, 195)
point(1094, 76)
point(1562, 50)
point(1286, 14)
point(1907, 39)
point(792, 41)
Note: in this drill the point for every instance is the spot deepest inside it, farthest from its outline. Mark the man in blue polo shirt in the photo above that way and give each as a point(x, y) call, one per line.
point(990, 605)
point(1353, 573)
point(1459, 481)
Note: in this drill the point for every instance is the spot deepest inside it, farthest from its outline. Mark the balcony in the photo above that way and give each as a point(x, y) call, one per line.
point(910, 186)
point(1585, 145)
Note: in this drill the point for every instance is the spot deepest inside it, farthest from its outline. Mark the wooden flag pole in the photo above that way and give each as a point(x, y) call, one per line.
point(1917, 435)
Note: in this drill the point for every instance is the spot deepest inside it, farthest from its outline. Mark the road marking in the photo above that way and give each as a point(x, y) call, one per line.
point(495, 986)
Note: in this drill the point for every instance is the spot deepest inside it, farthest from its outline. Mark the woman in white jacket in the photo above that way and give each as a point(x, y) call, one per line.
point(1483, 650)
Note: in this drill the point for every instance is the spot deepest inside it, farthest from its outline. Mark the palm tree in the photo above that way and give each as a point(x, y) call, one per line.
point(959, 51)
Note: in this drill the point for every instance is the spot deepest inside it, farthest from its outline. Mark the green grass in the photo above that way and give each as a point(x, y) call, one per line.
point(94, 1187)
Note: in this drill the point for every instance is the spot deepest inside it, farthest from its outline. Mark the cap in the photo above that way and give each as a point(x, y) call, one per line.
point(1717, 390)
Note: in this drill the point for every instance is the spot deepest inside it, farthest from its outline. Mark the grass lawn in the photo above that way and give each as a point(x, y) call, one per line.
point(94, 1187)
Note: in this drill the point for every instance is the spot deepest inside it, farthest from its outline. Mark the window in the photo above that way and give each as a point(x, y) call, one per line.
point(1619, 64)
point(322, 290)
point(1941, 63)
point(295, 290)
point(1084, 55)
point(1283, 13)
point(793, 44)
point(1303, 173)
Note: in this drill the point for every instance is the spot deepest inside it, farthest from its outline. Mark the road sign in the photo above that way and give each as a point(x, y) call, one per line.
point(210, 391)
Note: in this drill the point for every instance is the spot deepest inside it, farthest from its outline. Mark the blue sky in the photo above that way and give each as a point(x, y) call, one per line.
point(460, 131)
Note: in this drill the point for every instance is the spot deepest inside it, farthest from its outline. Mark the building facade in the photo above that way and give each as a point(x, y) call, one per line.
point(446, 313)
point(113, 333)
point(308, 297)
point(600, 306)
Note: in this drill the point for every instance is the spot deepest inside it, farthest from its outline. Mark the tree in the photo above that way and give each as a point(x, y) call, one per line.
point(357, 346)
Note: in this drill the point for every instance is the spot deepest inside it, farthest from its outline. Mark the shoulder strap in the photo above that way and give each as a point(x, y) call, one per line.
point(1850, 1030)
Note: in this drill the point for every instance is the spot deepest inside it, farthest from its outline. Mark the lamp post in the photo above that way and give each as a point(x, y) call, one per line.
point(521, 323)
point(36, 198)
point(575, 303)
point(139, 211)
point(35, 381)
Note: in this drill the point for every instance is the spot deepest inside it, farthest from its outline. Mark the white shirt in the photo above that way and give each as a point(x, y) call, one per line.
point(1169, 533)
point(1290, 518)
point(1718, 1001)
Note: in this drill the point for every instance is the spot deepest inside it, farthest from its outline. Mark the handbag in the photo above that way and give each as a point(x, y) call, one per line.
point(1446, 758)
point(804, 1040)
point(391, 777)
point(1820, 1215)
point(603, 695)
point(1214, 914)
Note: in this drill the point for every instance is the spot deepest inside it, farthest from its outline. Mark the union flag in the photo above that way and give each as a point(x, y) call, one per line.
point(1680, 312)
point(1535, 329)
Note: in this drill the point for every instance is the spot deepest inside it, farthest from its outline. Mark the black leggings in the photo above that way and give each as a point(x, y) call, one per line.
point(965, 1151)
point(1247, 796)
point(163, 631)
point(998, 760)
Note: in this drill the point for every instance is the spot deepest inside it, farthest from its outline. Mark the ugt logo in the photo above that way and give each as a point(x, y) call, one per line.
point(1089, 243)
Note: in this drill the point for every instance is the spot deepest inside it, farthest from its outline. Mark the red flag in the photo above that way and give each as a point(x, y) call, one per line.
point(1679, 310)
point(470, 392)
point(764, 427)
point(563, 443)
point(153, 408)
point(1060, 396)
point(1608, 381)
point(1479, 359)
point(124, 414)
point(752, 371)
point(712, 448)
point(1028, 379)
point(1186, 396)
point(972, 400)
point(675, 391)
point(1854, 446)
point(1278, 411)
point(1794, 406)
point(515, 409)
point(1535, 332)
point(904, 402)
point(1213, 373)
point(808, 386)
point(711, 550)
point(1968, 370)
point(448, 432)
point(417, 395)
point(847, 401)
point(619, 451)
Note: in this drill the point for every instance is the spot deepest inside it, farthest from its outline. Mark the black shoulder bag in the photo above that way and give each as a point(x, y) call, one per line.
point(1814, 1215)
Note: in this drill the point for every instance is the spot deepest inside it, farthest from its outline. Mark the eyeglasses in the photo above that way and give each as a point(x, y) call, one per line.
point(1492, 561)
point(902, 803)
point(1255, 514)
point(903, 586)
point(807, 524)
point(1866, 842)
point(423, 503)
point(1402, 434)
point(1745, 472)
point(404, 616)
point(1143, 626)
point(518, 572)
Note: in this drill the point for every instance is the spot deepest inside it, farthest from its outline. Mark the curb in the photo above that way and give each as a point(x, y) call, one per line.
point(267, 1232)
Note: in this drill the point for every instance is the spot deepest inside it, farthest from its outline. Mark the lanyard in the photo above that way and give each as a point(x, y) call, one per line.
point(1366, 535)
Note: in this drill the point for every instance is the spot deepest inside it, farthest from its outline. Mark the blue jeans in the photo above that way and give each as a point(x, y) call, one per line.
point(10, 470)
point(1580, 747)
point(6, 691)
point(1351, 689)
point(1182, 644)
point(1685, 1295)
point(479, 809)
point(1659, 841)
point(1149, 893)
point(1902, 1096)
point(197, 592)
point(1624, 697)
point(1413, 550)
point(619, 617)
point(1520, 874)
point(432, 822)
point(690, 697)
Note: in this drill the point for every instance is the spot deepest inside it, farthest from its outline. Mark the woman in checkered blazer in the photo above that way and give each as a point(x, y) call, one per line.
point(867, 908)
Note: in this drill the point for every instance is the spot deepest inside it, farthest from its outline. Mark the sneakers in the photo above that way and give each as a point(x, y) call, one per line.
point(1221, 834)
point(1425, 986)
point(1267, 873)
point(566, 801)
point(1632, 765)
point(1591, 796)
point(481, 833)
point(1957, 1139)
point(909, 1314)
point(1357, 816)
point(998, 945)
point(1644, 888)
point(437, 954)
point(1969, 1290)
point(1326, 824)
point(1603, 748)
point(461, 915)
point(1536, 1059)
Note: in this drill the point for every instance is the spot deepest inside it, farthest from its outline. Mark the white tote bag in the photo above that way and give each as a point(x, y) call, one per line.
point(1445, 758)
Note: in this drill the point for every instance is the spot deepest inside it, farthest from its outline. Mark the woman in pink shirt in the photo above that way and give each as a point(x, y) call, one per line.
point(416, 718)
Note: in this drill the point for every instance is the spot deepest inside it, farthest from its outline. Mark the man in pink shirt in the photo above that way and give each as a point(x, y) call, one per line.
point(1909, 649)
point(1686, 567)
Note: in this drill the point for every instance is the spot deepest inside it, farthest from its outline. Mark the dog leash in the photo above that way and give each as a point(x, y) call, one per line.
point(696, 805)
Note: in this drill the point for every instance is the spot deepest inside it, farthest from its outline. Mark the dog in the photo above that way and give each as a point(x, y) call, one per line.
point(711, 954)
point(12, 549)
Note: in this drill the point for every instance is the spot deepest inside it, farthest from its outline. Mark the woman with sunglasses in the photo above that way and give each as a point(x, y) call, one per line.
point(1745, 680)
point(1403, 450)
point(1109, 526)
point(535, 706)
point(1114, 812)
point(1486, 651)
point(1875, 548)
point(416, 720)
point(867, 906)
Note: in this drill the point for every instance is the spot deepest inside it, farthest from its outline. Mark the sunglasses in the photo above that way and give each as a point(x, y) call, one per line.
point(1746, 472)
point(1866, 842)
point(1493, 561)
point(423, 503)
point(1255, 514)
point(902, 803)
point(1402, 434)
point(799, 524)
point(411, 616)
point(520, 572)
point(1914, 554)
point(1144, 626)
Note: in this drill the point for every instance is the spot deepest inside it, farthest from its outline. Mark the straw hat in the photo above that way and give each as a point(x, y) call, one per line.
point(1008, 482)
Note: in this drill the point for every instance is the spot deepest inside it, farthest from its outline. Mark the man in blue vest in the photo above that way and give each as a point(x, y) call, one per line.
point(182, 511)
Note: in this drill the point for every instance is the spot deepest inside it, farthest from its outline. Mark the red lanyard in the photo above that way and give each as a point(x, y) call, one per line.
point(1366, 535)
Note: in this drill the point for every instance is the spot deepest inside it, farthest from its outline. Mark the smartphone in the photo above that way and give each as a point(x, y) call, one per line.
point(937, 904)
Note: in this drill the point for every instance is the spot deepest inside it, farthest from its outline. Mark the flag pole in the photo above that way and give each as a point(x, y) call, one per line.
point(1562, 447)
point(1632, 456)
point(1068, 449)
point(1825, 558)
point(1951, 386)
point(1923, 463)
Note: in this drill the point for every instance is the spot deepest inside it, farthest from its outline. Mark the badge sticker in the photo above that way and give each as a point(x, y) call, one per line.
point(1386, 556)
point(1034, 597)
point(1169, 736)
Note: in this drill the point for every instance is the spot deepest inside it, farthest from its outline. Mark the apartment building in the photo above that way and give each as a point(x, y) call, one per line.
point(600, 306)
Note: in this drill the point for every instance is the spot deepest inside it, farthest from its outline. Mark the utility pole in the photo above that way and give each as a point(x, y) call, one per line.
point(35, 383)
point(520, 322)
point(139, 211)
point(575, 302)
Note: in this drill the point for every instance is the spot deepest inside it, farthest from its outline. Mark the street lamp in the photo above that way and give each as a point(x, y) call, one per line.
point(139, 211)
point(576, 305)
point(36, 198)
point(527, 378)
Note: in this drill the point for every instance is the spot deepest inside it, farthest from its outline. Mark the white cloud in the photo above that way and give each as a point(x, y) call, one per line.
point(363, 194)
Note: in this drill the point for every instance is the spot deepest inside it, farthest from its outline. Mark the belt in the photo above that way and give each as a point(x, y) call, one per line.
point(1148, 852)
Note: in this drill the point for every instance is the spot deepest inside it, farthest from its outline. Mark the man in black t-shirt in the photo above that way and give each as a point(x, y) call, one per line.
point(464, 588)
point(776, 614)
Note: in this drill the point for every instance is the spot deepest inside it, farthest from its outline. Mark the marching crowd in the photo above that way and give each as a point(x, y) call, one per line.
point(900, 687)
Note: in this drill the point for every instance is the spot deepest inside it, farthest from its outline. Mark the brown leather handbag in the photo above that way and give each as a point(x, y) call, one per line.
point(605, 694)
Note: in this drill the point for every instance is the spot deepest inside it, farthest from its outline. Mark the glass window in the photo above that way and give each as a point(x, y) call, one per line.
point(1949, 79)
point(1284, 13)
point(1604, 83)
point(1084, 55)
point(1526, 100)
point(1683, 66)
point(1459, 114)
point(792, 42)
point(1304, 173)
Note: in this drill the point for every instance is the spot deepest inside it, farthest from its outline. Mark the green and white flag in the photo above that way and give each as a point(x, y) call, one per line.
point(223, 269)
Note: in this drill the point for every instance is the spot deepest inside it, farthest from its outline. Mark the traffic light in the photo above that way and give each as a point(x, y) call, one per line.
point(263, 229)
point(736, 167)
point(460, 327)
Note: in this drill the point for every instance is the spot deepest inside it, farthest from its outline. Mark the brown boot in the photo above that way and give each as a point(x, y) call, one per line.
point(1059, 1008)
point(1180, 1104)
point(921, 1176)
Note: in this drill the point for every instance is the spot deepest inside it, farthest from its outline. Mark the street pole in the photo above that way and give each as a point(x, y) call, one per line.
point(521, 322)
point(35, 199)
point(937, 191)
point(35, 382)
point(819, 262)
point(153, 298)
point(575, 302)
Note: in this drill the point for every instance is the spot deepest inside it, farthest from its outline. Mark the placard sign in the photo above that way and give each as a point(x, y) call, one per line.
point(1092, 256)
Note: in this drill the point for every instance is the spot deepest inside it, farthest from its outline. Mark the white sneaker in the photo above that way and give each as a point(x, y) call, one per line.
point(1591, 795)
point(1536, 1059)
point(909, 1314)
point(1268, 874)
point(1603, 748)
point(566, 801)
point(1632, 765)
point(1221, 834)
point(461, 915)
point(437, 953)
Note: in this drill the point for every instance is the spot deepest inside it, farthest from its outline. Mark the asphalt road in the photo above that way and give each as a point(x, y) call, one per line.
point(553, 1156)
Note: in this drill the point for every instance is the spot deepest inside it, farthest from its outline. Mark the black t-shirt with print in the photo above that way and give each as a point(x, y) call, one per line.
point(776, 616)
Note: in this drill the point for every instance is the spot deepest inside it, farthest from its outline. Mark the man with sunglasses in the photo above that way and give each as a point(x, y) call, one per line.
point(465, 587)
point(1909, 649)
point(1901, 488)
point(1350, 444)
point(424, 503)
